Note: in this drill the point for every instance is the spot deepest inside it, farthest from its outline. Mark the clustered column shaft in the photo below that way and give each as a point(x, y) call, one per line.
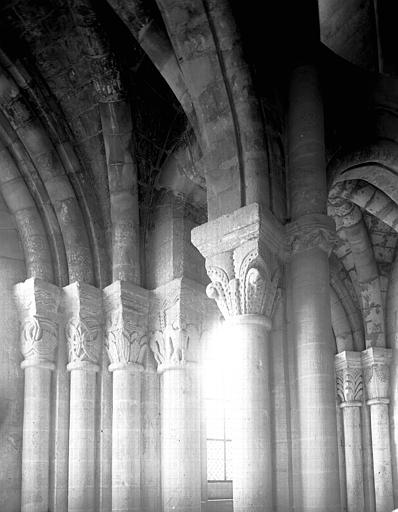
point(126, 314)
point(37, 303)
point(83, 330)
point(126, 307)
point(349, 392)
point(174, 346)
point(180, 438)
point(150, 422)
point(126, 438)
point(376, 370)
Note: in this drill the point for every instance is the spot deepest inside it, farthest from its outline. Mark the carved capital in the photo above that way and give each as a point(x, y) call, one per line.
point(376, 372)
point(349, 382)
point(37, 303)
point(178, 314)
point(243, 252)
point(83, 312)
point(171, 345)
point(126, 313)
point(250, 289)
point(228, 232)
point(311, 232)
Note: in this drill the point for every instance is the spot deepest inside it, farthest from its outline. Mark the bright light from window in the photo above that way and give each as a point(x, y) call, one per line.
point(216, 368)
point(217, 394)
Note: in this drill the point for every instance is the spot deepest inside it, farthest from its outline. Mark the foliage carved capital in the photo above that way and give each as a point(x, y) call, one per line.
point(178, 315)
point(171, 345)
point(250, 289)
point(38, 303)
point(376, 371)
point(243, 252)
point(349, 382)
point(126, 313)
point(311, 232)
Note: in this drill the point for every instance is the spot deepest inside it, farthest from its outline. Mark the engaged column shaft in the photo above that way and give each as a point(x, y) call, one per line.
point(126, 310)
point(376, 369)
point(37, 303)
point(350, 394)
point(83, 330)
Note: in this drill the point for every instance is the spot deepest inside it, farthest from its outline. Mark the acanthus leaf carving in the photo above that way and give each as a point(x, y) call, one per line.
point(349, 384)
point(171, 344)
point(124, 344)
point(253, 291)
point(219, 290)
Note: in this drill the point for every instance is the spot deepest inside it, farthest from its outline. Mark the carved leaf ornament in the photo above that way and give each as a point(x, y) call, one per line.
point(252, 292)
point(171, 345)
point(122, 345)
point(349, 385)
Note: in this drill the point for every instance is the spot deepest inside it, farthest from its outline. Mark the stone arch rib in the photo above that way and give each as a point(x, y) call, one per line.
point(30, 226)
point(30, 136)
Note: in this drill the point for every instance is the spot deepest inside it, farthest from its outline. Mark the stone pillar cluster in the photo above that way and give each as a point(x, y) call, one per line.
point(83, 331)
point(363, 382)
point(152, 343)
point(152, 340)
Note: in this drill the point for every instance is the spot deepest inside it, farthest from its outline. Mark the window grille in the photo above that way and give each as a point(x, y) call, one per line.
point(218, 444)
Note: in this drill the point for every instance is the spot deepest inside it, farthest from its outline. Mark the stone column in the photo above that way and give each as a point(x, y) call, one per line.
point(175, 347)
point(126, 311)
point(341, 455)
point(349, 392)
point(251, 411)
point(242, 252)
point(37, 303)
point(311, 236)
point(150, 421)
point(83, 314)
point(376, 371)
